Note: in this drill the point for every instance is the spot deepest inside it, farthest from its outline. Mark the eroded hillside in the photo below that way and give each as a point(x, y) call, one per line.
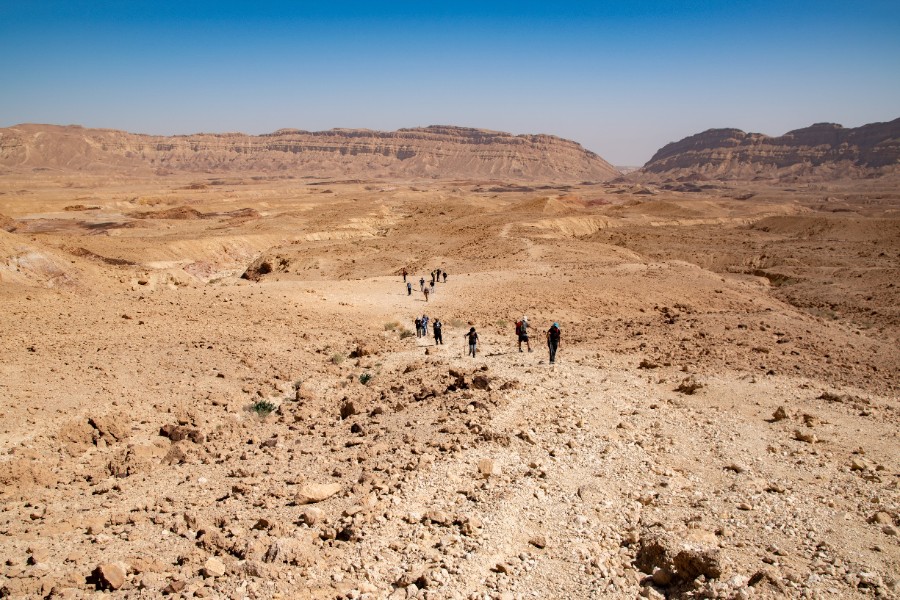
point(722, 420)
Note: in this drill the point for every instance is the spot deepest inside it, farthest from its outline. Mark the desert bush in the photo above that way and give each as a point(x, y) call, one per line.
point(365, 378)
point(262, 407)
point(457, 323)
point(406, 333)
point(337, 358)
point(391, 326)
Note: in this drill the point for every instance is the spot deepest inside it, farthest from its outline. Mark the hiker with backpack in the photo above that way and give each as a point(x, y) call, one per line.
point(418, 322)
point(405, 273)
point(408, 288)
point(438, 333)
point(522, 333)
point(426, 292)
point(553, 337)
point(421, 284)
point(425, 325)
point(473, 341)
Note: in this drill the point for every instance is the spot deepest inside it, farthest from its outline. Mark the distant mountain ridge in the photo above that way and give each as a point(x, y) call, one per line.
point(823, 150)
point(435, 151)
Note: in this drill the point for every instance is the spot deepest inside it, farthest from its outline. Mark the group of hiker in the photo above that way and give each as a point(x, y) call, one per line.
point(553, 334)
point(425, 289)
point(553, 337)
point(422, 329)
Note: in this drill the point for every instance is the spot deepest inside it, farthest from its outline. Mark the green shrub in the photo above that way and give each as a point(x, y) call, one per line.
point(263, 408)
point(365, 378)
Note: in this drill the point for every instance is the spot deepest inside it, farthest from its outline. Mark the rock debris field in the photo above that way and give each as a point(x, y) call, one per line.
point(213, 390)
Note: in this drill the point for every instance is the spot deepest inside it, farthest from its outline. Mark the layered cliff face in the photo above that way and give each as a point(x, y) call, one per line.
point(437, 151)
point(823, 150)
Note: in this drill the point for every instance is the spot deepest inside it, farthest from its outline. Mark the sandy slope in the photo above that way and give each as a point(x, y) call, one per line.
point(598, 462)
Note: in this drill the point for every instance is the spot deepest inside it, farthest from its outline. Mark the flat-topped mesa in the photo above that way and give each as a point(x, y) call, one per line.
point(823, 150)
point(435, 152)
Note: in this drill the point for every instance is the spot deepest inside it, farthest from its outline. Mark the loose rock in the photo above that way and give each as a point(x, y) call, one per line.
point(316, 492)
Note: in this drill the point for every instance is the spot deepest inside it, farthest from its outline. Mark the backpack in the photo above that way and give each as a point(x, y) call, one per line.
point(554, 334)
point(518, 327)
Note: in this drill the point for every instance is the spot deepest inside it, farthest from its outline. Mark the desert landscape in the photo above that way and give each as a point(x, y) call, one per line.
point(211, 385)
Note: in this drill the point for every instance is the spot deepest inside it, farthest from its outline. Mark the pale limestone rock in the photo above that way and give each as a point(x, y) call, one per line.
point(214, 567)
point(316, 492)
point(487, 467)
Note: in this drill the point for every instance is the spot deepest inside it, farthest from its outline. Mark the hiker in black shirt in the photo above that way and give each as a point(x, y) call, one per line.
point(473, 341)
point(553, 337)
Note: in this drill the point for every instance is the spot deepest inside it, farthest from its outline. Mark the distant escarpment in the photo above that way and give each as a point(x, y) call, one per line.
point(436, 151)
point(821, 151)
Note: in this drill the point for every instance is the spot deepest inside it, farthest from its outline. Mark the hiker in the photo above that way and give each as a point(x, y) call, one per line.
point(473, 341)
point(432, 286)
point(522, 333)
point(422, 284)
point(438, 273)
point(438, 335)
point(553, 335)
point(408, 288)
point(425, 291)
point(445, 276)
point(418, 327)
point(425, 325)
point(405, 273)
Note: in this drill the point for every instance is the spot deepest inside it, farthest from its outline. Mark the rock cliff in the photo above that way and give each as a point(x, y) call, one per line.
point(821, 151)
point(436, 151)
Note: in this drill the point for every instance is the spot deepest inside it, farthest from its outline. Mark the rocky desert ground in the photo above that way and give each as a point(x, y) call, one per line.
point(211, 389)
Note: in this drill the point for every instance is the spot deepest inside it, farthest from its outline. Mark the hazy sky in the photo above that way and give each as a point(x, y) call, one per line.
point(621, 78)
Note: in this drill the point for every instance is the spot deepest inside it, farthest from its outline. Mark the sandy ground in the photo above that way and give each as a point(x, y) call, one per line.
point(722, 421)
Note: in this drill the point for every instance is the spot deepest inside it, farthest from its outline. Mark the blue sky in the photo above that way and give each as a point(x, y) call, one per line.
point(622, 78)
